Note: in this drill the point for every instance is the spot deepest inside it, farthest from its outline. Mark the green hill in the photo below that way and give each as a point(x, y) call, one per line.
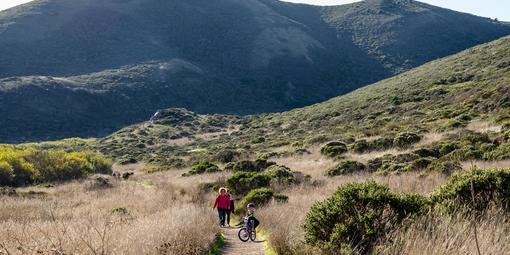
point(87, 68)
point(443, 95)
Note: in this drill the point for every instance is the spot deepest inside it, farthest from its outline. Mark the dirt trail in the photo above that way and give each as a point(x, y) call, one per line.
point(234, 246)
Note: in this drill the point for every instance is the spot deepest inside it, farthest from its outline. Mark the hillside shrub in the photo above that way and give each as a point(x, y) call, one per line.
point(345, 167)
point(259, 197)
point(357, 216)
point(242, 182)
point(501, 152)
point(258, 165)
point(406, 139)
point(334, 149)
point(491, 187)
point(203, 167)
point(280, 174)
point(364, 146)
point(20, 167)
point(445, 166)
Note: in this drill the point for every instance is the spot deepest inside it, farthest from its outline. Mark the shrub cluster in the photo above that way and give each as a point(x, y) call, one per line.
point(243, 182)
point(258, 165)
point(345, 167)
point(28, 166)
point(202, 168)
point(358, 215)
point(334, 149)
point(406, 139)
point(352, 220)
point(259, 197)
point(364, 146)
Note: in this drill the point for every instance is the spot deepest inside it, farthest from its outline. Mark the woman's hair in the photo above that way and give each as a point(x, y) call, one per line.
point(222, 189)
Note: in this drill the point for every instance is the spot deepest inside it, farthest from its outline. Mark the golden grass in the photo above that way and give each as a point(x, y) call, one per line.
point(437, 234)
point(283, 221)
point(72, 219)
point(482, 126)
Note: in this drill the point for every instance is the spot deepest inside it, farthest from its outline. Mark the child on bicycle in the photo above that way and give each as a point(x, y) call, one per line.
point(250, 214)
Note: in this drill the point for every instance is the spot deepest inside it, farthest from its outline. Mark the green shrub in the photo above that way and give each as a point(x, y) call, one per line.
point(357, 216)
point(360, 146)
point(501, 152)
point(28, 166)
point(120, 211)
point(345, 167)
point(259, 197)
point(427, 152)
point(280, 198)
point(280, 174)
point(258, 165)
point(333, 149)
point(226, 156)
point(490, 187)
point(420, 164)
point(242, 182)
point(203, 167)
point(364, 146)
point(445, 166)
point(406, 139)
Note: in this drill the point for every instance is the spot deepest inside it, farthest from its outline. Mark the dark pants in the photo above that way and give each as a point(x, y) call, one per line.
point(221, 214)
point(228, 216)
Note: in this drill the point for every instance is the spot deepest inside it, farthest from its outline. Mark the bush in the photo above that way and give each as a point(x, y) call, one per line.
point(259, 197)
point(280, 198)
point(345, 167)
point(490, 187)
point(280, 174)
point(242, 182)
point(226, 156)
point(258, 165)
point(28, 166)
point(427, 152)
point(363, 146)
point(203, 167)
point(357, 216)
point(445, 166)
point(333, 149)
point(501, 152)
point(406, 139)
point(420, 164)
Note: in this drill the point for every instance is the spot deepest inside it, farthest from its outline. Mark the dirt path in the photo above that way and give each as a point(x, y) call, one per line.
point(234, 246)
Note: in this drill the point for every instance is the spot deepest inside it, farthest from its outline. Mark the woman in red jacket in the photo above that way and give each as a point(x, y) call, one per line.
point(223, 204)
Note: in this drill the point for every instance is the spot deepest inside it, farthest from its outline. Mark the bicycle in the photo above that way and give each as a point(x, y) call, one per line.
point(247, 232)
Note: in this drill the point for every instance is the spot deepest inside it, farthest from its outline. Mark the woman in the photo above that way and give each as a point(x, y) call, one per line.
point(223, 204)
point(231, 207)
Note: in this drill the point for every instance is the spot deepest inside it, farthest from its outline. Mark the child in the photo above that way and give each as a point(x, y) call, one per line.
point(250, 214)
point(232, 206)
point(222, 202)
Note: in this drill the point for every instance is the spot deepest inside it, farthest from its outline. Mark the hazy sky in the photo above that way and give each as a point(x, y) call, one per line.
point(488, 8)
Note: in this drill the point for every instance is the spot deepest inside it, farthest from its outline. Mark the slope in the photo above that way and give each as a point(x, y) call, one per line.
point(436, 97)
point(96, 66)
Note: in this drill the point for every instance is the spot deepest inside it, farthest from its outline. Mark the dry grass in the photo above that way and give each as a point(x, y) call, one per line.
point(72, 219)
point(314, 164)
point(482, 126)
point(480, 164)
point(284, 221)
point(436, 234)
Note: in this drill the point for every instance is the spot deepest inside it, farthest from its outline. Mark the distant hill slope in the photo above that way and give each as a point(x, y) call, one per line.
point(88, 67)
point(439, 96)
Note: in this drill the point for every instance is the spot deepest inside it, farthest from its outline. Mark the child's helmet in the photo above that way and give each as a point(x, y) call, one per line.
point(251, 205)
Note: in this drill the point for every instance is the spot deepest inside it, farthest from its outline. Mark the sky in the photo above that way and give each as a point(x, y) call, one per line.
point(488, 8)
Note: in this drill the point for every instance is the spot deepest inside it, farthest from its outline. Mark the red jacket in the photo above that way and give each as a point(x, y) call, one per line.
point(222, 201)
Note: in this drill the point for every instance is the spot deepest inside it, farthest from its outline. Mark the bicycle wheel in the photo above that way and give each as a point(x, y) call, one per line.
point(253, 235)
point(243, 235)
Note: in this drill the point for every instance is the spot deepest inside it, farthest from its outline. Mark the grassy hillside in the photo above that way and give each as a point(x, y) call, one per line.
point(86, 68)
point(439, 97)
